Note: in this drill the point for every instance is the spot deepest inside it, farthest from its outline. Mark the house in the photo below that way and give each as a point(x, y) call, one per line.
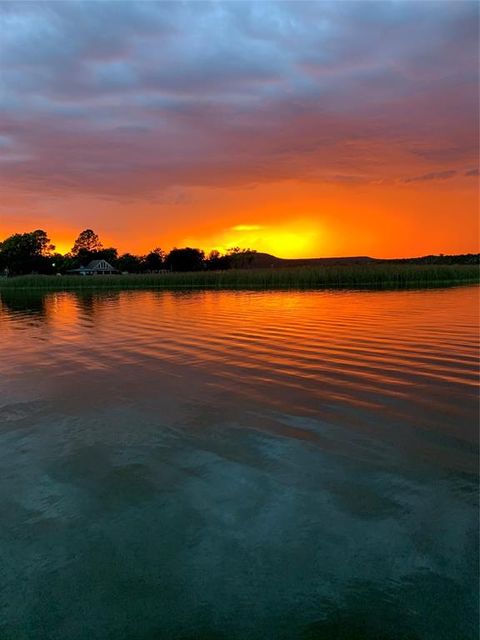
point(101, 267)
point(95, 268)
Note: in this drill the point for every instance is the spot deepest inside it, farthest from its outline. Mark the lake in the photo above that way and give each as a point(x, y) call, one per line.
point(239, 465)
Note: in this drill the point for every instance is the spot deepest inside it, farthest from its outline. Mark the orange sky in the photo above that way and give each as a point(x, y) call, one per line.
point(299, 129)
point(288, 219)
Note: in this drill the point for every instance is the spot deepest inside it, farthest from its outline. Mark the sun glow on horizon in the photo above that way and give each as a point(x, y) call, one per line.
point(254, 144)
point(299, 240)
point(286, 241)
point(63, 247)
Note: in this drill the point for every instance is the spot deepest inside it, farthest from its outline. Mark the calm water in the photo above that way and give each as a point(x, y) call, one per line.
point(228, 465)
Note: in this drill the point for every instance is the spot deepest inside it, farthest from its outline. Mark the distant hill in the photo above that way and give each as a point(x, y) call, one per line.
point(265, 260)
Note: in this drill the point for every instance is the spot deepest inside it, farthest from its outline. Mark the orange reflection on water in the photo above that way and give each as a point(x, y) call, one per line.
point(364, 339)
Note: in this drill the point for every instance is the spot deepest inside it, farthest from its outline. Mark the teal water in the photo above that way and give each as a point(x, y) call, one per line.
point(228, 465)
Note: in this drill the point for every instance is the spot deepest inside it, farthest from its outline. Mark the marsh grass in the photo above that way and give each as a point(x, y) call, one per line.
point(376, 276)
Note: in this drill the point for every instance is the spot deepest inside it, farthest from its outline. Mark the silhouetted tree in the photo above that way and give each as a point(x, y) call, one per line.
point(42, 243)
point(216, 261)
point(240, 258)
point(186, 259)
point(30, 252)
point(110, 254)
point(154, 261)
point(60, 263)
point(88, 247)
point(26, 252)
point(465, 258)
point(129, 262)
point(87, 242)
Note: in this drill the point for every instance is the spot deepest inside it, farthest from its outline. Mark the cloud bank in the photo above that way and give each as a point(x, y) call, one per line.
point(131, 100)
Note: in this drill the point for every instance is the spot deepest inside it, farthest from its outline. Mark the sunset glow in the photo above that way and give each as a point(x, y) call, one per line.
point(289, 242)
point(239, 312)
point(300, 129)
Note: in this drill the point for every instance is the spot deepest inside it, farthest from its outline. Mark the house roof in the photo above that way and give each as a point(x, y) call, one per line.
point(101, 265)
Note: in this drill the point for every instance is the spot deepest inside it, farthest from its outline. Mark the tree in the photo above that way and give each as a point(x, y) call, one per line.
point(87, 242)
point(88, 247)
point(110, 254)
point(186, 259)
point(129, 262)
point(41, 243)
point(154, 261)
point(216, 261)
point(60, 263)
point(240, 258)
point(26, 252)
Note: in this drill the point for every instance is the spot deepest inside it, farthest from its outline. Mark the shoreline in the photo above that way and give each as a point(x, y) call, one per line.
point(363, 277)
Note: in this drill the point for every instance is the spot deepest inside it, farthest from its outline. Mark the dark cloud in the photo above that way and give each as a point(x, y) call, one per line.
point(434, 175)
point(132, 98)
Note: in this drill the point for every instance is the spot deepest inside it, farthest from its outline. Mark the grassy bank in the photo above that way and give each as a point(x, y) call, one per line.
point(378, 276)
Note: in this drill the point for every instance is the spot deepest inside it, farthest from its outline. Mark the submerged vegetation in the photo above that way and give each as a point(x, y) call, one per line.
point(374, 276)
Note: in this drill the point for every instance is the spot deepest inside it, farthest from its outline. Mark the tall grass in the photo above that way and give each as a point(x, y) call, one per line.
point(376, 276)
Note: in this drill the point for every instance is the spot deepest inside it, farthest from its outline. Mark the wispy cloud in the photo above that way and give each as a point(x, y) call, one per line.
point(434, 175)
point(472, 173)
point(246, 227)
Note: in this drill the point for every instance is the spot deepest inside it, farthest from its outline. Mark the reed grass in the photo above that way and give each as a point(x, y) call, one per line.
point(376, 276)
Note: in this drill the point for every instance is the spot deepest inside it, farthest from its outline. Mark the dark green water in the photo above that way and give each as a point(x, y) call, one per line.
point(227, 465)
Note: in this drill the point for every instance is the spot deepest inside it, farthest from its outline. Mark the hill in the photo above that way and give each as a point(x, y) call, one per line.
point(265, 260)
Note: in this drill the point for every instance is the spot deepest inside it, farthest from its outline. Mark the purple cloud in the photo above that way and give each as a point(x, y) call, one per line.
point(132, 98)
point(472, 173)
point(434, 175)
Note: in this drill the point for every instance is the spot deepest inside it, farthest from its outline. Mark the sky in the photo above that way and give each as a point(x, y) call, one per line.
point(302, 129)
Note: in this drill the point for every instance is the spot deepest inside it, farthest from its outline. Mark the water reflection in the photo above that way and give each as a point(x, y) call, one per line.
point(233, 465)
point(19, 303)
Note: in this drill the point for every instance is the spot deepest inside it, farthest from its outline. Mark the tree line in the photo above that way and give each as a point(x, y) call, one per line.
point(32, 252)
